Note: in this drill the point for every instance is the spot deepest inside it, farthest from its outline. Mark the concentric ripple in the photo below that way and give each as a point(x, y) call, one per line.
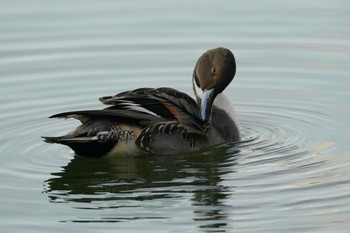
point(275, 172)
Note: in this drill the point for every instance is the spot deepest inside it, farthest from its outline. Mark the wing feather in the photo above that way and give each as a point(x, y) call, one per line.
point(85, 115)
point(164, 102)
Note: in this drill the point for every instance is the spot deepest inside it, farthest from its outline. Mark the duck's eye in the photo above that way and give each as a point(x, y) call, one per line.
point(213, 69)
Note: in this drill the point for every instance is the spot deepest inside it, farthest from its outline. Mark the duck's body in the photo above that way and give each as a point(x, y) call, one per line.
point(162, 120)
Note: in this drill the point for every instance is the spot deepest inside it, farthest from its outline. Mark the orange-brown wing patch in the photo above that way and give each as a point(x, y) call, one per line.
point(172, 109)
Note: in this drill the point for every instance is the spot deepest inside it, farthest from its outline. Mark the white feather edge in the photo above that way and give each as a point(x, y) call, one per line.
point(221, 102)
point(129, 105)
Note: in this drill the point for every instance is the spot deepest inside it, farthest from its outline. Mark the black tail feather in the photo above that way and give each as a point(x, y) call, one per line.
point(83, 146)
point(51, 139)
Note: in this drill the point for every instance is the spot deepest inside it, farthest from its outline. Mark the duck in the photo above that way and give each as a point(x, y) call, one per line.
point(160, 120)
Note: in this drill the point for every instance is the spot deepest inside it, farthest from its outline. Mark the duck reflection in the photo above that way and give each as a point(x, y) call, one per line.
point(118, 179)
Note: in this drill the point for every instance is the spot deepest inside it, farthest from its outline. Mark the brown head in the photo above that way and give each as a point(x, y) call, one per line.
point(213, 72)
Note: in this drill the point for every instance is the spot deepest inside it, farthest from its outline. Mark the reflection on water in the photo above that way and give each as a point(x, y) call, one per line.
point(124, 183)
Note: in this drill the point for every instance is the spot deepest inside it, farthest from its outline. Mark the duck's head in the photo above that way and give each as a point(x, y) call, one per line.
point(214, 71)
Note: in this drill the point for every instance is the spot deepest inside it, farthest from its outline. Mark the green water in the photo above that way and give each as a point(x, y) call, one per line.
point(291, 93)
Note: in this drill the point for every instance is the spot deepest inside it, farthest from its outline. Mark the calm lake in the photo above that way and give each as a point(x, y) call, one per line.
point(291, 93)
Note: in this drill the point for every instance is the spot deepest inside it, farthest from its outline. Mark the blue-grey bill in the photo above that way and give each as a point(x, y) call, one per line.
point(207, 102)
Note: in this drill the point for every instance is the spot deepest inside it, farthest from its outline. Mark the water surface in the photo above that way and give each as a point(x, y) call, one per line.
point(291, 93)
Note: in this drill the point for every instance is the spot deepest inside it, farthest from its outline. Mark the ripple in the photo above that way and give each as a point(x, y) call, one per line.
point(281, 136)
point(285, 151)
point(283, 159)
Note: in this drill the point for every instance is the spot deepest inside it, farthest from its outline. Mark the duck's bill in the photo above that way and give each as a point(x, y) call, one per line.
point(207, 104)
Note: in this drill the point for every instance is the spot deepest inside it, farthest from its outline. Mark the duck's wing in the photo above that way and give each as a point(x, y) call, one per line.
point(166, 103)
point(116, 114)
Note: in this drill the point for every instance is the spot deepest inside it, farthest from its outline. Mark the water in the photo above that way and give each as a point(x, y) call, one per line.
point(291, 93)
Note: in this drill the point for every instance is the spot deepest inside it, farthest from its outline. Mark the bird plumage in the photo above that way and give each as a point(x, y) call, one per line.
point(159, 120)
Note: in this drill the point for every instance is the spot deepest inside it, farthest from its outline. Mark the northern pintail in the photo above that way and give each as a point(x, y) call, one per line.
point(161, 120)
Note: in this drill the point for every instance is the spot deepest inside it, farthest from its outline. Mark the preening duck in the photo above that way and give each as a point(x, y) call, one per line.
point(160, 120)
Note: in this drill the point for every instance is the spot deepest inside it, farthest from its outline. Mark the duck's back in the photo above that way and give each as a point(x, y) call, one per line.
point(146, 120)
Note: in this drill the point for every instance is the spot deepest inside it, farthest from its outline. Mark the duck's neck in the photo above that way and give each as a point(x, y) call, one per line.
point(221, 102)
